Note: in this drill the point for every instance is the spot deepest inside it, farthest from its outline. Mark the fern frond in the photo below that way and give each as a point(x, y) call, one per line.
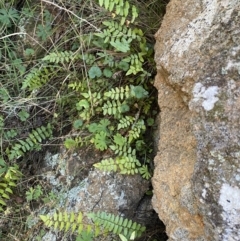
point(117, 35)
point(124, 164)
point(117, 224)
point(136, 130)
point(71, 222)
point(114, 107)
point(107, 165)
point(60, 57)
point(78, 86)
point(8, 180)
point(136, 63)
point(117, 93)
point(123, 150)
point(31, 142)
point(38, 77)
point(121, 8)
point(125, 122)
point(128, 165)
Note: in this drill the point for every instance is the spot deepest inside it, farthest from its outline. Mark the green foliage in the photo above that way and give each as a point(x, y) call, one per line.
point(51, 197)
point(9, 175)
point(116, 224)
point(89, 68)
point(94, 72)
point(132, 237)
point(37, 77)
point(118, 93)
point(102, 223)
point(64, 221)
point(125, 122)
point(121, 8)
point(4, 95)
point(10, 134)
point(145, 172)
point(23, 115)
point(122, 164)
point(114, 108)
point(8, 17)
point(30, 143)
point(98, 97)
point(100, 141)
point(44, 31)
point(34, 193)
point(59, 57)
point(136, 130)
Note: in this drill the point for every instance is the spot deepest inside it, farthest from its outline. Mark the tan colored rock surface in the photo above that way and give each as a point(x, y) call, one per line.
point(197, 168)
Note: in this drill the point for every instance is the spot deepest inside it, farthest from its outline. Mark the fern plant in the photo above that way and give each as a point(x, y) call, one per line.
point(37, 77)
point(123, 49)
point(60, 57)
point(94, 223)
point(30, 143)
point(9, 175)
point(116, 102)
point(121, 8)
point(95, 75)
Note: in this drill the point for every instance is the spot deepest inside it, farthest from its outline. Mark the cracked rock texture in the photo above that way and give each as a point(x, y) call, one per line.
point(197, 168)
point(80, 189)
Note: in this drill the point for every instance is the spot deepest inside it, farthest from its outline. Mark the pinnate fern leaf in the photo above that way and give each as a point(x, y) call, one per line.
point(136, 130)
point(72, 222)
point(118, 93)
point(107, 165)
point(60, 57)
point(114, 107)
point(117, 224)
point(31, 142)
point(124, 165)
point(125, 122)
point(8, 180)
point(39, 77)
point(64, 221)
point(121, 8)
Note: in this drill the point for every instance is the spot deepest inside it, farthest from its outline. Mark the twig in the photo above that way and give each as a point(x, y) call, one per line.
point(12, 34)
point(82, 19)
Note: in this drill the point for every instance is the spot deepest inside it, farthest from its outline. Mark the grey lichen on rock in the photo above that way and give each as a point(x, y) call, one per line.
point(80, 189)
point(197, 169)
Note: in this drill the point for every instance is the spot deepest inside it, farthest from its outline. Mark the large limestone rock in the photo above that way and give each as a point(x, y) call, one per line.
point(197, 168)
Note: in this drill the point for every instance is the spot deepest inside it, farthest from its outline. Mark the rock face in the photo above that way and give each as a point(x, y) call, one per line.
point(197, 168)
point(98, 191)
point(80, 189)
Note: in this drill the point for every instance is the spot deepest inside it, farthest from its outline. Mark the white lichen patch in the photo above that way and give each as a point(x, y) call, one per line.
point(197, 29)
point(229, 198)
point(204, 192)
point(51, 160)
point(49, 236)
point(207, 96)
point(233, 65)
point(230, 202)
point(121, 200)
point(58, 166)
